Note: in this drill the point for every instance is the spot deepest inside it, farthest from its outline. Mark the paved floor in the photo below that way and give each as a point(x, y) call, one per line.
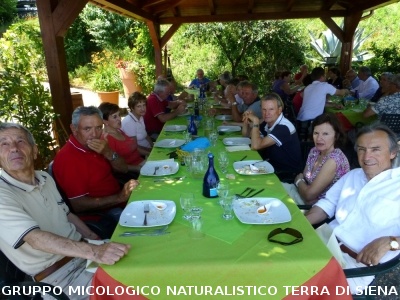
point(90, 97)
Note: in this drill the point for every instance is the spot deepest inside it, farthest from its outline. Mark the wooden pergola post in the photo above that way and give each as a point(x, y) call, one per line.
point(55, 17)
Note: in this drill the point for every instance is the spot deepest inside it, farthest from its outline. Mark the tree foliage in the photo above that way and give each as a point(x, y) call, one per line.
point(255, 48)
point(8, 11)
point(23, 98)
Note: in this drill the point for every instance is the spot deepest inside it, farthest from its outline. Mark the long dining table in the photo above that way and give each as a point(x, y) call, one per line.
point(232, 259)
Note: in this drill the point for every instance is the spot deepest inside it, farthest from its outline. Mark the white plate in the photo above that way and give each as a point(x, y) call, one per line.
point(133, 214)
point(246, 211)
point(227, 128)
point(253, 167)
point(164, 168)
point(236, 141)
point(175, 128)
point(224, 117)
point(169, 143)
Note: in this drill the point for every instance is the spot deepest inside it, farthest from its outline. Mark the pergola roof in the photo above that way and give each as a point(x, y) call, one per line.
point(56, 16)
point(193, 11)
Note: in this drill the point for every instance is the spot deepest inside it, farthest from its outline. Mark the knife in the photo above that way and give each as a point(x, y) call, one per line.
point(125, 234)
point(256, 193)
point(169, 179)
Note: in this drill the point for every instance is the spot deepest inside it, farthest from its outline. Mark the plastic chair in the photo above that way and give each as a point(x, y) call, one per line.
point(392, 121)
point(11, 276)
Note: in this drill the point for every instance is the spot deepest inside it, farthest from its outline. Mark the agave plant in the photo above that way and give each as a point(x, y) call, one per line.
point(329, 47)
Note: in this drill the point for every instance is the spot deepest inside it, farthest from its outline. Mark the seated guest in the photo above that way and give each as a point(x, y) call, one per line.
point(389, 104)
point(315, 95)
point(159, 110)
point(199, 80)
point(39, 234)
point(383, 87)
point(368, 85)
point(299, 77)
point(351, 80)
point(326, 163)
point(125, 146)
point(279, 142)
point(84, 165)
point(298, 98)
point(282, 86)
point(133, 123)
point(366, 204)
point(334, 78)
point(251, 102)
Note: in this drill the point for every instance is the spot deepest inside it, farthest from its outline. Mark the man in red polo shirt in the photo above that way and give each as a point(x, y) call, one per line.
point(159, 109)
point(83, 167)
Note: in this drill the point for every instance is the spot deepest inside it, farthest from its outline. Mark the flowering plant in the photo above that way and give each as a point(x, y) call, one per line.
point(120, 64)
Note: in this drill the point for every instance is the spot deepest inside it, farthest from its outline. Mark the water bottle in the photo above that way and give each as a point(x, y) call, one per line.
point(202, 93)
point(356, 94)
point(211, 179)
point(192, 126)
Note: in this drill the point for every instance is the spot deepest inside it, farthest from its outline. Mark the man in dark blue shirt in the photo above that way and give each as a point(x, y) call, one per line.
point(278, 141)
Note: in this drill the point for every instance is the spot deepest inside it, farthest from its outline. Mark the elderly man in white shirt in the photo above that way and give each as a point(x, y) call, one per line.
point(366, 204)
point(368, 85)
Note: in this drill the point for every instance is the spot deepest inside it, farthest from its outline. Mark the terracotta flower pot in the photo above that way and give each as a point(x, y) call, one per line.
point(129, 82)
point(112, 97)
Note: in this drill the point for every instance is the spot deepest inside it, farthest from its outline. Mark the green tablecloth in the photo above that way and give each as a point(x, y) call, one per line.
point(231, 254)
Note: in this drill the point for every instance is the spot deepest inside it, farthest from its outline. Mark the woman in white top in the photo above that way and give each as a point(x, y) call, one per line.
point(133, 123)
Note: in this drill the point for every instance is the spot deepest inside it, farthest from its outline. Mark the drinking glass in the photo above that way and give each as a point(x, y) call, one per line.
point(187, 136)
point(188, 162)
point(199, 163)
point(223, 161)
point(223, 191)
point(213, 137)
point(196, 231)
point(227, 206)
point(186, 200)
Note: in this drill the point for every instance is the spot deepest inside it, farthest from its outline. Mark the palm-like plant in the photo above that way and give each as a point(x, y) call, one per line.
point(329, 47)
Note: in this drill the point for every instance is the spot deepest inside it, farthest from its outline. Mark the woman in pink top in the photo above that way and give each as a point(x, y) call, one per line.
point(125, 146)
point(326, 163)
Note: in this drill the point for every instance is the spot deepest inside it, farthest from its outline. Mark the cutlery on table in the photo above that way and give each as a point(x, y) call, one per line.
point(245, 193)
point(169, 179)
point(146, 210)
point(256, 193)
point(146, 232)
point(243, 158)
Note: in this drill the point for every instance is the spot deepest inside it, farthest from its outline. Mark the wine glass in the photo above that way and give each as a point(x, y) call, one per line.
point(223, 161)
point(186, 200)
point(223, 191)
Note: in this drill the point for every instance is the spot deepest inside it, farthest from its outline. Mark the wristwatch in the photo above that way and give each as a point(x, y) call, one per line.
point(256, 125)
point(114, 156)
point(394, 245)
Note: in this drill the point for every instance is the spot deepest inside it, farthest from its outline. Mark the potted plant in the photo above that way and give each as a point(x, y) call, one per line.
point(128, 77)
point(105, 79)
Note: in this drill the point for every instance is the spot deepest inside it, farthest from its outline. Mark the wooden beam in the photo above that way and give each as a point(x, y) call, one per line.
point(150, 3)
point(255, 16)
point(55, 61)
point(336, 30)
point(170, 32)
point(349, 28)
point(154, 29)
point(65, 14)
point(250, 7)
point(290, 4)
point(164, 7)
point(125, 8)
point(211, 6)
point(328, 4)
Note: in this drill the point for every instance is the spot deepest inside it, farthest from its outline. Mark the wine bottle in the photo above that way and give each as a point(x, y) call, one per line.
point(211, 179)
point(356, 94)
point(196, 108)
point(192, 126)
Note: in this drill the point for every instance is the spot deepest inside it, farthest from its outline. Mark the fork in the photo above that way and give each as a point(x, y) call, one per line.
point(155, 170)
point(146, 210)
point(245, 193)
